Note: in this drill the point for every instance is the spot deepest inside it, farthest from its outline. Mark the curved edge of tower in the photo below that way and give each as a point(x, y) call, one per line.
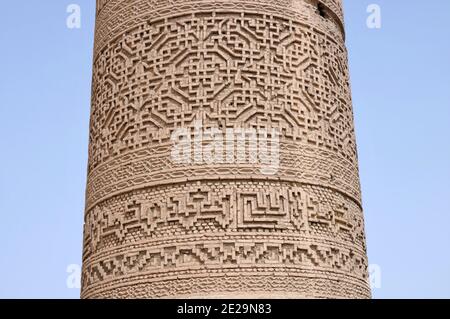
point(155, 228)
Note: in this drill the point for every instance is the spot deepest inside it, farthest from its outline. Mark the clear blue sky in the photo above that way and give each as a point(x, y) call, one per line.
point(401, 91)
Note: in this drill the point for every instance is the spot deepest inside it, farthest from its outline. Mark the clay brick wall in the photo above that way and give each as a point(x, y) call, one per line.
point(155, 228)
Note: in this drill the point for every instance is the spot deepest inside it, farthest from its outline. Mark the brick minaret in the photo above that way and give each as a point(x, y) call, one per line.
point(157, 228)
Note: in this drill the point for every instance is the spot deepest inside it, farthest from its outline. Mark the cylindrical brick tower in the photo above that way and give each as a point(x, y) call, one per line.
point(158, 227)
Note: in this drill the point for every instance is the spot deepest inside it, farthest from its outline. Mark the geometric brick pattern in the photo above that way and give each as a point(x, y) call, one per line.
point(155, 228)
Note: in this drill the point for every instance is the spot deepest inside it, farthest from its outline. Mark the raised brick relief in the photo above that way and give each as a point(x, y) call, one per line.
point(155, 228)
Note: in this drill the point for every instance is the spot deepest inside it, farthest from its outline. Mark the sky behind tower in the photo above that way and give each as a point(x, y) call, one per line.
point(400, 76)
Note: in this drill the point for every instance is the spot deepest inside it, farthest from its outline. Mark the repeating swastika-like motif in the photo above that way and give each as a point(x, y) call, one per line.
point(155, 228)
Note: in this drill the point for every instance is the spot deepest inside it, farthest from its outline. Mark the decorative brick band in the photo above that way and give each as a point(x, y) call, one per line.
point(157, 228)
